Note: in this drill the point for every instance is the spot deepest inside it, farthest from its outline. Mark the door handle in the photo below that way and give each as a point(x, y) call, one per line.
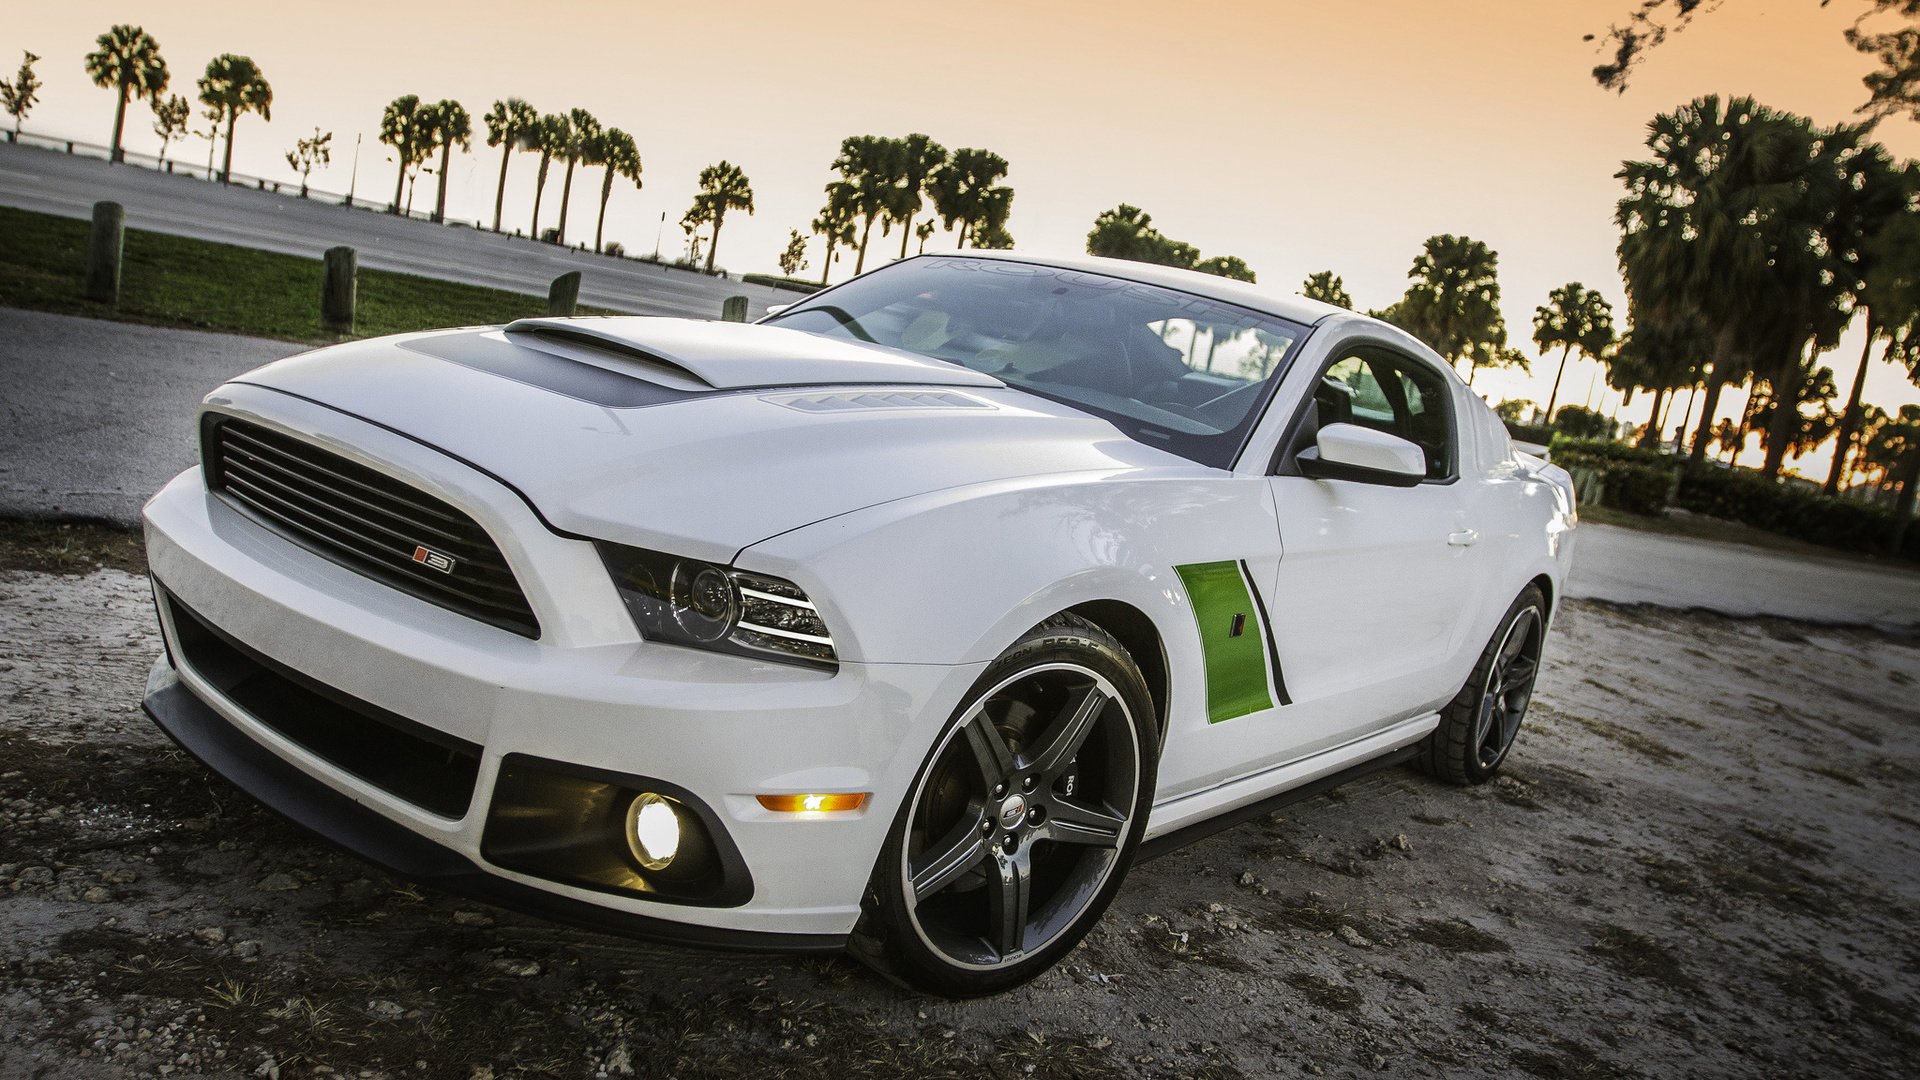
point(1463, 538)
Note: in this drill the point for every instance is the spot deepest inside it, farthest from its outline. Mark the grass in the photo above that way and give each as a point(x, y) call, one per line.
point(197, 284)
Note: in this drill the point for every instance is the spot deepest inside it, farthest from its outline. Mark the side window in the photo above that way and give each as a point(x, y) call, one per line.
point(1379, 390)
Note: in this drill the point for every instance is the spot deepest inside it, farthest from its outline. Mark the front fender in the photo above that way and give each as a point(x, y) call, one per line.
point(956, 576)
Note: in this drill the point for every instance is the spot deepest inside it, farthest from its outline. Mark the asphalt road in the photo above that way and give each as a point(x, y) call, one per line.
point(54, 183)
point(1631, 567)
point(100, 414)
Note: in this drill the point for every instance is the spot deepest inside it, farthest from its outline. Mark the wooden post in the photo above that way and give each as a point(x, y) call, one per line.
point(339, 292)
point(104, 246)
point(564, 295)
point(734, 309)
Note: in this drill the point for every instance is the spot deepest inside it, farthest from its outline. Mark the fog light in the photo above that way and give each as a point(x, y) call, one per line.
point(653, 830)
point(795, 804)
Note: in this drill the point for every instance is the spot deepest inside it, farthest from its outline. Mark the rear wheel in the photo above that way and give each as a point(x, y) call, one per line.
point(1478, 726)
point(1021, 823)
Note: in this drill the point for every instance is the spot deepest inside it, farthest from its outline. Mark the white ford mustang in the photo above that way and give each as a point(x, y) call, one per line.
point(902, 621)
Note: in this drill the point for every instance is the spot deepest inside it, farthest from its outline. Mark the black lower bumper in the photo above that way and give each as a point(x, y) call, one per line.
point(279, 786)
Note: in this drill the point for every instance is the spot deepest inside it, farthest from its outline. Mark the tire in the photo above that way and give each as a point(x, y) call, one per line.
point(1022, 821)
point(1478, 726)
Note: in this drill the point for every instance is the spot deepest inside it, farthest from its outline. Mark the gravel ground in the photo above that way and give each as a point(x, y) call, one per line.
point(1700, 862)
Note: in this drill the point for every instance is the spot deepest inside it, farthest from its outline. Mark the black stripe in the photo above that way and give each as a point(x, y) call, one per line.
point(1266, 627)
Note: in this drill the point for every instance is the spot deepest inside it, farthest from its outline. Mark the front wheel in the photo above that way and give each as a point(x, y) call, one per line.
point(1022, 821)
point(1478, 726)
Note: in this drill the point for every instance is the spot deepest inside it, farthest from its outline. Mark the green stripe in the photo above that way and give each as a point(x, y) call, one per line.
point(1236, 666)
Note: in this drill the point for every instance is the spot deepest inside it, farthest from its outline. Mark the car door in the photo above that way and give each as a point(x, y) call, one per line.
point(1375, 582)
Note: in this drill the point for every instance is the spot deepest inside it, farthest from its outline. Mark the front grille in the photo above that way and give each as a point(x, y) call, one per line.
point(366, 521)
point(428, 768)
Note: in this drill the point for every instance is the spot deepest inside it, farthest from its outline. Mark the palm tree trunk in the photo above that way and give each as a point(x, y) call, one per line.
point(826, 267)
point(400, 184)
point(539, 186)
point(861, 263)
point(1722, 356)
point(226, 162)
point(606, 192)
point(1651, 436)
point(906, 233)
point(1554, 396)
point(1850, 419)
point(119, 123)
point(500, 193)
point(566, 196)
point(966, 227)
point(713, 243)
point(440, 203)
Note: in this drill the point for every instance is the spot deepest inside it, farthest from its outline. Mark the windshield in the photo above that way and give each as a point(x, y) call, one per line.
point(1171, 369)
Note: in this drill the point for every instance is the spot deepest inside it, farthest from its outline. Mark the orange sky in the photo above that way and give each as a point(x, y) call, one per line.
point(1299, 136)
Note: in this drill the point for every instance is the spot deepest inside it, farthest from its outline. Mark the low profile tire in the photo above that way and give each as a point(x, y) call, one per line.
point(1021, 823)
point(1478, 726)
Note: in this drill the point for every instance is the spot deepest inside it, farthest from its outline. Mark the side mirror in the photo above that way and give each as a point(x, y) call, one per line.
point(1364, 456)
point(775, 309)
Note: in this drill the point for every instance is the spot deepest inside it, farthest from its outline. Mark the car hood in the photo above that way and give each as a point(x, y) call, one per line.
point(701, 438)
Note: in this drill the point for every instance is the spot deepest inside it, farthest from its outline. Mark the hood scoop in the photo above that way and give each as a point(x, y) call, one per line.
point(693, 354)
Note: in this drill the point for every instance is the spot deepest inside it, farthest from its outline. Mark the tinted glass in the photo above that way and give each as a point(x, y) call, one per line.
point(1170, 369)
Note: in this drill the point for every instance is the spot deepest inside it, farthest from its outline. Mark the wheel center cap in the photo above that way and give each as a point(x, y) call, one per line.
point(1013, 811)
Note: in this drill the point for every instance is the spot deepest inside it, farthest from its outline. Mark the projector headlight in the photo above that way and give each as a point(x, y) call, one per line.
point(689, 602)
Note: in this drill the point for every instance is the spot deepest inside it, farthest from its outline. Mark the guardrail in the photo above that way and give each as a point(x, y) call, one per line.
point(175, 166)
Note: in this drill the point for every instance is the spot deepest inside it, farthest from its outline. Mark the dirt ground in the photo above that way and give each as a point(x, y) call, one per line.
point(1701, 861)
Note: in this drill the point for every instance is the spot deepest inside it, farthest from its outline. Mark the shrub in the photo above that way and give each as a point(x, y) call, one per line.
point(1747, 497)
point(614, 248)
point(1646, 490)
point(1530, 433)
point(1605, 452)
point(1574, 421)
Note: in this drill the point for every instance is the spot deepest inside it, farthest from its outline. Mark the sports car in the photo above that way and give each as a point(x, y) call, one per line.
point(900, 622)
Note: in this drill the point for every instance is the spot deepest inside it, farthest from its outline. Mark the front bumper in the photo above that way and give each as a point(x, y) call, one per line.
point(225, 749)
point(723, 728)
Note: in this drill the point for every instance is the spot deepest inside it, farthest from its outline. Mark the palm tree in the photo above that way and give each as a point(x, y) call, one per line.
point(1127, 232)
point(919, 156)
point(510, 126)
point(966, 193)
point(622, 158)
point(583, 144)
point(407, 126)
point(1753, 219)
point(1888, 300)
point(128, 62)
point(870, 166)
point(552, 137)
point(1327, 288)
point(234, 85)
point(836, 223)
point(1575, 317)
point(451, 124)
point(723, 187)
point(1656, 355)
point(1454, 304)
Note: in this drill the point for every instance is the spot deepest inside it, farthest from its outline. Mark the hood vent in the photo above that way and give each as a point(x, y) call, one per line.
point(860, 401)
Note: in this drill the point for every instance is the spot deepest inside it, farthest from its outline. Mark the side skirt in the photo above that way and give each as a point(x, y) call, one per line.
point(1180, 837)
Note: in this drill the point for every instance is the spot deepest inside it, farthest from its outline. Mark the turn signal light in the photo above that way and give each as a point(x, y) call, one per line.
point(800, 804)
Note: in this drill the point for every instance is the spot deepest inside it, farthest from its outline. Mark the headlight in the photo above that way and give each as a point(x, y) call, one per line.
point(689, 602)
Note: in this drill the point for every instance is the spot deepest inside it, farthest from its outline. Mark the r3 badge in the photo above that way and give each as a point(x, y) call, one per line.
point(432, 559)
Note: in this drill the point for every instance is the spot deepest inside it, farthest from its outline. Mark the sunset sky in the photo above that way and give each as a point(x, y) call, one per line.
point(1298, 136)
